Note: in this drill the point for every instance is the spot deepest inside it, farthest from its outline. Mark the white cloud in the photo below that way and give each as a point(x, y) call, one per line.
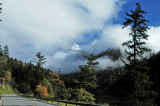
point(76, 47)
point(94, 41)
point(55, 21)
point(114, 36)
point(66, 60)
point(60, 55)
point(154, 38)
point(105, 63)
point(111, 37)
point(52, 26)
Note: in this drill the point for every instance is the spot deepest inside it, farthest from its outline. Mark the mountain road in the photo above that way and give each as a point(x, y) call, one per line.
point(15, 100)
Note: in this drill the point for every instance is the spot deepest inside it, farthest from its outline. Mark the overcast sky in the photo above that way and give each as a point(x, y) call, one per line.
point(60, 29)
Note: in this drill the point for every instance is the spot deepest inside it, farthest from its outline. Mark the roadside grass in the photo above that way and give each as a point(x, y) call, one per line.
point(104, 104)
point(62, 104)
point(56, 103)
point(8, 90)
point(59, 103)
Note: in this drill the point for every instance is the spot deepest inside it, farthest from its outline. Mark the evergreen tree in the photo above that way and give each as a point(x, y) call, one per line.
point(39, 60)
point(1, 52)
point(140, 94)
point(6, 51)
point(87, 78)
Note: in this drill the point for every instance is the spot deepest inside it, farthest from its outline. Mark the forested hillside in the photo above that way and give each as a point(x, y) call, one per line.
point(28, 78)
point(153, 63)
point(113, 84)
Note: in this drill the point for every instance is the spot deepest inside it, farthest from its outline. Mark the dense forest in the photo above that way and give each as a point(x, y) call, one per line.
point(135, 84)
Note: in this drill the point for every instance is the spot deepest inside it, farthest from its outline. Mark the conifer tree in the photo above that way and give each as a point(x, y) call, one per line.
point(88, 79)
point(39, 60)
point(1, 52)
point(140, 93)
point(6, 51)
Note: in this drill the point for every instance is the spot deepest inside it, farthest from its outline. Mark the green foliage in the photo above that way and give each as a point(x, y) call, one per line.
point(58, 88)
point(47, 84)
point(154, 61)
point(138, 29)
point(3, 62)
point(39, 60)
point(42, 91)
point(3, 65)
point(29, 76)
point(24, 87)
point(6, 51)
point(140, 93)
point(69, 79)
point(8, 76)
point(109, 90)
point(5, 74)
point(8, 90)
point(87, 78)
point(81, 95)
point(60, 91)
point(140, 88)
point(1, 52)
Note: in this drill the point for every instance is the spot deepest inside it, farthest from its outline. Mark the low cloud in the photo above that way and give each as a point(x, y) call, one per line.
point(105, 63)
point(113, 36)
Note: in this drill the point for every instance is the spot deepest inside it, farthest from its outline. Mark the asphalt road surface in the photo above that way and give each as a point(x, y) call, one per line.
point(15, 100)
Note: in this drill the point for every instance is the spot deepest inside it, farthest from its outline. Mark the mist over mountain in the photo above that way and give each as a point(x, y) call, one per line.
point(112, 53)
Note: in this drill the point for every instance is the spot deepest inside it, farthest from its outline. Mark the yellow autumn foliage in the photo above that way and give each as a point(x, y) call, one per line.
point(42, 91)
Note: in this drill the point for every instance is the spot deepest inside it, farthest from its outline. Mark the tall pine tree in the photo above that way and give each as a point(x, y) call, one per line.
point(87, 78)
point(1, 52)
point(6, 51)
point(140, 93)
point(39, 60)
